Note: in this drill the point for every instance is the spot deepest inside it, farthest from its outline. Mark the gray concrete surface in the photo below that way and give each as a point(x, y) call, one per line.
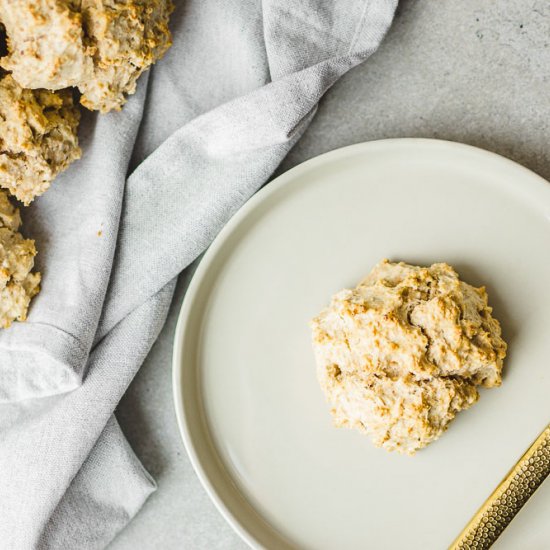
point(469, 71)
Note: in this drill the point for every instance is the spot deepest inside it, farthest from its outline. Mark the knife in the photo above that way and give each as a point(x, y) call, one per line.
point(508, 498)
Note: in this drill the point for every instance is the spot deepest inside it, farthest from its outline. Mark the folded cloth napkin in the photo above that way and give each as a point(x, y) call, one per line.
point(205, 131)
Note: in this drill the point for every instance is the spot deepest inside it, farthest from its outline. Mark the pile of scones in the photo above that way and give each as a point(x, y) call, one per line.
point(55, 55)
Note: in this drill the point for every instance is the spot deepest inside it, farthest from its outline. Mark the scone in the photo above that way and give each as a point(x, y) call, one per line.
point(45, 43)
point(99, 46)
point(401, 354)
point(126, 38)
point(17, 284)
point(38, 137)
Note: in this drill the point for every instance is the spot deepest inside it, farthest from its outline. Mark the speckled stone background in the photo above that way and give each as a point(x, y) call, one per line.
point(469, 71)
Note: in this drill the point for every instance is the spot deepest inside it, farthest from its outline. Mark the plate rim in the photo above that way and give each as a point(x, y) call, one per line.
point(536, 182)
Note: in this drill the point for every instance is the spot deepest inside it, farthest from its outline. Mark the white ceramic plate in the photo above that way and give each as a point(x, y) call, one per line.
point(250, 410)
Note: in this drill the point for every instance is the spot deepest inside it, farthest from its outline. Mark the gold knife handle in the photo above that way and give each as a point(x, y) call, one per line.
point(508, 498)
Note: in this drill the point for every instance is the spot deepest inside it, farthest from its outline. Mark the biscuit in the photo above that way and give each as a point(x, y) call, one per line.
point(99, 46)
point(401, 354)
point(126, 37)
point(38, 137)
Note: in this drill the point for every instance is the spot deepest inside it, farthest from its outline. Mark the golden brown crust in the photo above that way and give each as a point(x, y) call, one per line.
point(38, 137)
point(18, 284)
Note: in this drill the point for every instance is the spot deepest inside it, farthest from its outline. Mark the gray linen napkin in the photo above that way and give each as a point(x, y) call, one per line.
point(218, 115)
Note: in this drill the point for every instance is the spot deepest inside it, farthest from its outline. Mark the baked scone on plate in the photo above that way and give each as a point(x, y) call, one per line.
point(402, 353)
point(18, 284)
point(38, 137)
point(99, 46)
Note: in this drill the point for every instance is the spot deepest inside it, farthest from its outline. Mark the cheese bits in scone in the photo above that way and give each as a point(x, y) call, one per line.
point(401, 354)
